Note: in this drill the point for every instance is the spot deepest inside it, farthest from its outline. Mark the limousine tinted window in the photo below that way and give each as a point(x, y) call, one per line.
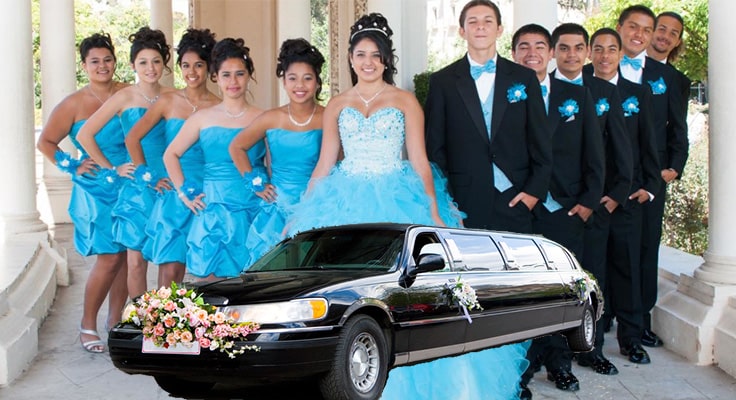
point(557, 256)
point(522, 253)
point(478, 253)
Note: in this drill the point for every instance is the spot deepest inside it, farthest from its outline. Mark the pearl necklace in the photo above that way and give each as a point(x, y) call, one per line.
point(366, 102)
point(148, 99)
point(300, 124)
point(234, 116)
point(97, 97)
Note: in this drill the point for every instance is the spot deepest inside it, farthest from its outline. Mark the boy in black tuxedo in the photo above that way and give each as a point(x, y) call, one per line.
point(636, 26)
point(486, 130)
point(571, 50)
point(577, 180)
point(666, 46)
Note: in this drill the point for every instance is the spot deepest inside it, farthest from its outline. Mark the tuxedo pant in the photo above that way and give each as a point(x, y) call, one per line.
point(623, 287)
point(651, 237)
point(553, 351)
point(504, 218)
point(594, 260)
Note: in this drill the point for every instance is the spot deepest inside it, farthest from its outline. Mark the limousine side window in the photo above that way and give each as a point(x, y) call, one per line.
point(522, 254)
point(557, 256)
point(478, 252)
point(428, 243)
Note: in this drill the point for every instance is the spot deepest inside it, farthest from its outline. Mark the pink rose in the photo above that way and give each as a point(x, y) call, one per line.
point(186, 336)
point(159, 330)
point(181, 292)
point(204, 342)
point(170, 306)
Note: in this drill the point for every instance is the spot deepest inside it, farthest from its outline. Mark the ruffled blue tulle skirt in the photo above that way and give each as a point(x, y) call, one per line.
point(398, 196)
point(492, 374)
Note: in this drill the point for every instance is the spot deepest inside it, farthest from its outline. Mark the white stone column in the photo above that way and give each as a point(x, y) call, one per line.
point(696, 320)
point(58, 69)
point(18, 175)
point(293, 20)
point(162, 18)
point(408, 21)
point(532, 11)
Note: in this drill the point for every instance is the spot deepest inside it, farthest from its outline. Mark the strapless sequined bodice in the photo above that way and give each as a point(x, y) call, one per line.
point(373, 144)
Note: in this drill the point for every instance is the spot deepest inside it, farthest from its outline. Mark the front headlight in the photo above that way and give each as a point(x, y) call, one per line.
point(279, 313)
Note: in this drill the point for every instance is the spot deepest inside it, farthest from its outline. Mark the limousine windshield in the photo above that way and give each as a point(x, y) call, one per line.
point(341, 249)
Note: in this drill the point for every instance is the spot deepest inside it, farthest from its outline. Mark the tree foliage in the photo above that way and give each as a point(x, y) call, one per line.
point(119, 19)
point(694, 60)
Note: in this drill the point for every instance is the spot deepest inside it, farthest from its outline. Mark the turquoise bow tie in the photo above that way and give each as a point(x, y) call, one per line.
point(634, 63)
point(476, 71)
point(578, 81)
point(544, 90)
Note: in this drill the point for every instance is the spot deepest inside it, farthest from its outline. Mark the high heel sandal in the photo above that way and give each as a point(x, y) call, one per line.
point(92, 346)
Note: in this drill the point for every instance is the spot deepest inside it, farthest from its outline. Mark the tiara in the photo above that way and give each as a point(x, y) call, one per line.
point(370, 28)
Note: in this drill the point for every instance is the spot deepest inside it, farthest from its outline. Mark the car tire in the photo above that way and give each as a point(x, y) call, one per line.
point(360, 366)
point(582, 338)
point(183, 387)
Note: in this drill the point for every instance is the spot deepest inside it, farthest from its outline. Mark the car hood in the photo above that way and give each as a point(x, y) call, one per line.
point(260, 287)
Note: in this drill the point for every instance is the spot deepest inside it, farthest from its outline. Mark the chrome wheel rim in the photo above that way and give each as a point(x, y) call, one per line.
point(364, 362)
point(588, 325)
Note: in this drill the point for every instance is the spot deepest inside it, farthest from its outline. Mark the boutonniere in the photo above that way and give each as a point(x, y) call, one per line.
point(631, 106)
point(568, 109)
point(658, 86)
point(516, 93)
point(602, 106)
point(464, 295)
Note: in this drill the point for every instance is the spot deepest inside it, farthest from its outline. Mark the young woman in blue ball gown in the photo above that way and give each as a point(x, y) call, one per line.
point(371, 123)
point(92, 196)
point(293, 134)
point(168, 225)
point(149, 55)
point(225, 209)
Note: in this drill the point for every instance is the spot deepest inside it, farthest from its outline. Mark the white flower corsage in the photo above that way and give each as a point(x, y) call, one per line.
point(658, 86)
point(66, 163)
point(256, 180)
point(569, 108)
point(190, 190)
point(516, 93)
point(630, 106)
point(464, 295)
point(602, 106)
point(143, 175)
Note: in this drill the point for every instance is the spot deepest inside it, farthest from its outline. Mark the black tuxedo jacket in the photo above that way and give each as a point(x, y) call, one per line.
point(458, 141)
point(616, 144)
point(640, 126)
point(578, 169)
point(670, 125)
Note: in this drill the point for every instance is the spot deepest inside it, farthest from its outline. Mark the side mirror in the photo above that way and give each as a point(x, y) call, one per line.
point(428, 262)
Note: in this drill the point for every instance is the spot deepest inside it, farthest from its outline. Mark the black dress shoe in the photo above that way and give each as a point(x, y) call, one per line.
point(636, 354)
point(650, 339)
point(525, 394)
point(598, 363)
point(564, 380)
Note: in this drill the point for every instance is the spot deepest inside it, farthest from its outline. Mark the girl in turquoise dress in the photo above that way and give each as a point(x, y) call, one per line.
point(149, 55)
point(168, 224)
point(293, 134)
point(94, 191)
point(224, 211)
point(371, 123)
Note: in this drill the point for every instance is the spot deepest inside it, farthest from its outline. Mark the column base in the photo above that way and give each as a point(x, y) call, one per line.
point(725, 339)
point(717, 269)
point(11, 225)
point(686, 319)
point(53, 198)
